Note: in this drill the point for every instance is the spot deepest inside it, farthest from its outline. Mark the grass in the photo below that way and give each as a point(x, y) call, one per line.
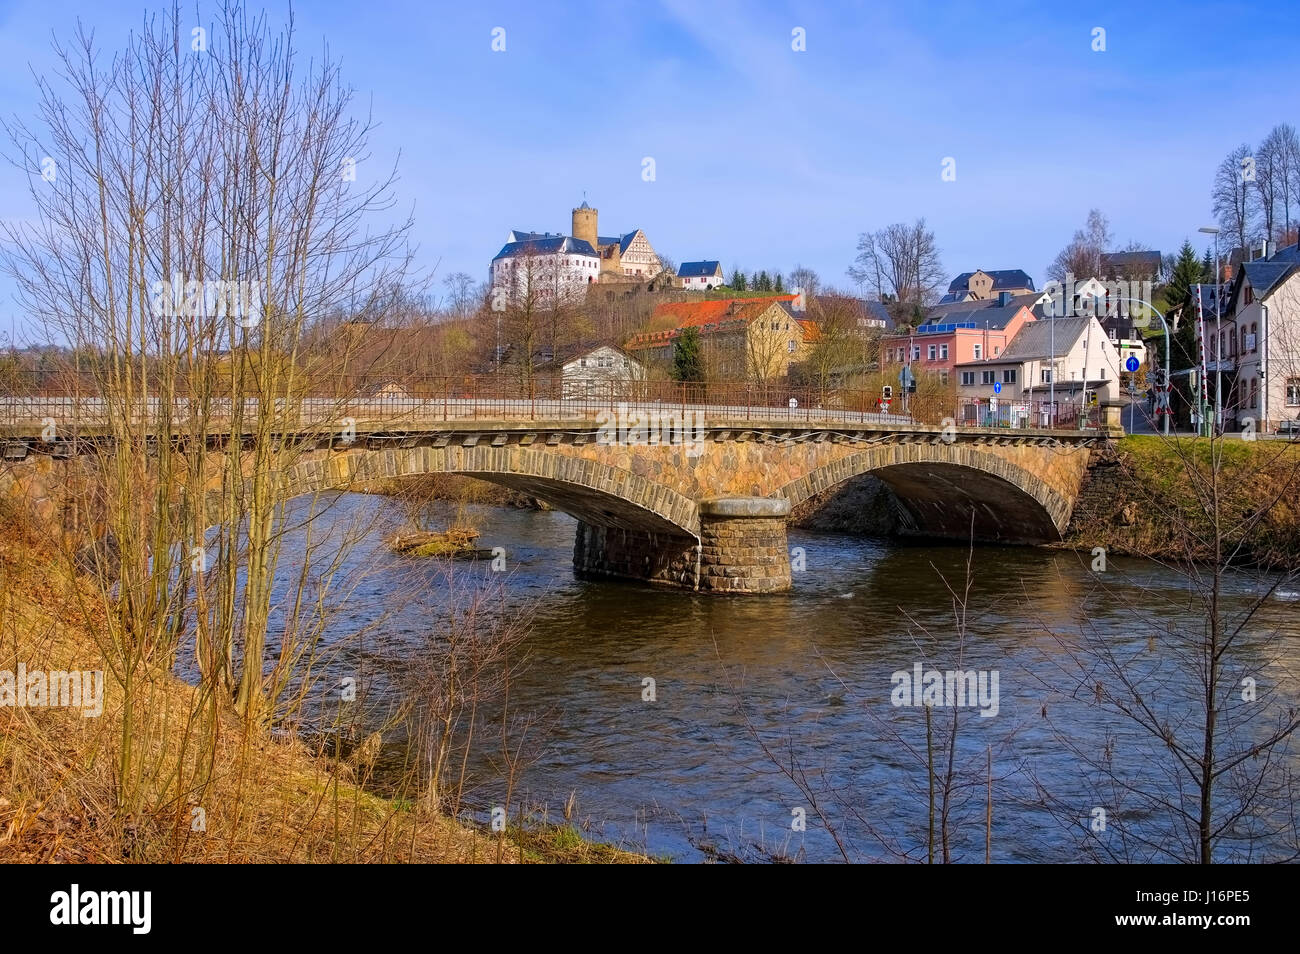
point(270, 798)
point(1165, 484)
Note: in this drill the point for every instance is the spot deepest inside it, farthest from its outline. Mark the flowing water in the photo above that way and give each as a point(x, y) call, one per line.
point(749, 691)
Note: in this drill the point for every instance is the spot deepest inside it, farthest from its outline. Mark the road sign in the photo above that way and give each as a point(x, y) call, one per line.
point(905, 376)
point(993, 404)
point(997, 387)
point(1132, 364)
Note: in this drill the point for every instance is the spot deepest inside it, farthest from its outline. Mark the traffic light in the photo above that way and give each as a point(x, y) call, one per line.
point(887, 392)
point(1162, 378)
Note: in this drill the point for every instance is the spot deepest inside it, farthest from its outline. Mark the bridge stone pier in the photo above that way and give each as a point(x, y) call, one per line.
point(709, 515)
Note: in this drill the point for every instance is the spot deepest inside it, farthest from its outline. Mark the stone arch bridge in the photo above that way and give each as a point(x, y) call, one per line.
point(710, 513)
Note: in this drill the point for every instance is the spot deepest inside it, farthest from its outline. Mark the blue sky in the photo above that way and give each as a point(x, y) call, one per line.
point(766, 157)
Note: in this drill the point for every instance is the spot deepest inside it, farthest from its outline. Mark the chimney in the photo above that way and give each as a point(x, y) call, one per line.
point(1004, 299)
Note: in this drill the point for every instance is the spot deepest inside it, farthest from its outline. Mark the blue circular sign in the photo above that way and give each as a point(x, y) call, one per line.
point(1132, 364)
point(997, 387)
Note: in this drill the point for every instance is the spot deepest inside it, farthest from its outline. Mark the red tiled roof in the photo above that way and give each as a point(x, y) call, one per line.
point(686, 314)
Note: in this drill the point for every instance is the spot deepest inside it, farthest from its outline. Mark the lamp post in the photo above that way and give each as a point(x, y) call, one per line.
point(1218, 332)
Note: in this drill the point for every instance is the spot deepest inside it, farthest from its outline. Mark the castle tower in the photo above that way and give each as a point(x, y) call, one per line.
point(584, 224)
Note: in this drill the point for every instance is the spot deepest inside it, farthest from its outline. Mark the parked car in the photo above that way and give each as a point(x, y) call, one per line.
point(1289, 426)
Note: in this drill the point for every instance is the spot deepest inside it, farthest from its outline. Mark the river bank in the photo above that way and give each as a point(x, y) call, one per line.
point(265, 796)
point(1142, 497)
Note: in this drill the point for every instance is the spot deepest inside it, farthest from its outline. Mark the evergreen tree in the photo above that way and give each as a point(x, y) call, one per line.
point(762, 282)
point(738, 280)
point(1187, 271)
point(1207, 267)
point(688, 359)
point(778, 284)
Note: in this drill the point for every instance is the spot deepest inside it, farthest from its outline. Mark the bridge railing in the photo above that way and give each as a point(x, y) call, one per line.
point(415, 401)
point(420, 402)
point(1028, 415)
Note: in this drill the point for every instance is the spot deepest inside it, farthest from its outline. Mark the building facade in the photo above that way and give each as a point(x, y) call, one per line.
point(700, 276)
point(938, 345)
point(742, 339)
point(980, 285)
point(553, 267)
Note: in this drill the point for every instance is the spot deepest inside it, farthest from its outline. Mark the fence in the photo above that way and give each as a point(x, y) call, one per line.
point(418, 401)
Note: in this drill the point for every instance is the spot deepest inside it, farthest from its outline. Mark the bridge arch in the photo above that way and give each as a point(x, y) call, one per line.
point(941, 486)
point(593, 492)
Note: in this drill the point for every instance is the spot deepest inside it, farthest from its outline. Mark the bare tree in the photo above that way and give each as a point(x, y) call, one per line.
point(900, 261)
point(206, 206)
point(805, 280)
point(1231, 195)
point(1082, 257)
point(460, 294)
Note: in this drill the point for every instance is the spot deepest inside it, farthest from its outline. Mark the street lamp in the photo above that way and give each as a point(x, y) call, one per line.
point(1218, 331)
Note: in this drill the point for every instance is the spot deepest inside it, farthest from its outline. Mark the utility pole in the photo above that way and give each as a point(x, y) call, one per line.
point(1218, 331)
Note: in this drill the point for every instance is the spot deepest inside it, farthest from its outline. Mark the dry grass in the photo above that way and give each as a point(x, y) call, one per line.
point(269, 799)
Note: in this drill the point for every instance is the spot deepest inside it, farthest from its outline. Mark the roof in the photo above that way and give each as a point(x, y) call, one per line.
point(811, 330)
point(877, 310)
point(622, 241)
point(1265, 276)
point(985, 314)
point(546, 246)
point(698, 269)
point(1035, 338)
point(944, 308)
point(1289, 254)
point(1150, 259)
point(581, 350)
point(1006, 278)
point(671, 317)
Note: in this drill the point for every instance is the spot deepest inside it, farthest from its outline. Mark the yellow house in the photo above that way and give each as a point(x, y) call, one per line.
point(755, 339)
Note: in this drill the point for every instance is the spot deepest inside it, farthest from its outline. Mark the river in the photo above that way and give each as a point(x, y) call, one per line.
point(749, 690)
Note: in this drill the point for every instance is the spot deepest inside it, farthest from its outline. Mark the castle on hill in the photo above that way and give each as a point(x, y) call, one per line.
point(562, 266)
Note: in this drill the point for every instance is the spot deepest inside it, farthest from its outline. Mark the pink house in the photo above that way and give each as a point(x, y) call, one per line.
point(956, 337)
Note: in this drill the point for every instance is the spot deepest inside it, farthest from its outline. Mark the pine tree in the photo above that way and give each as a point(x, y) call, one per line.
point(1188, 271)
point(737, 280)
point(1207, 268)
point(762, 282)
point(778, 284)
point(688, 361)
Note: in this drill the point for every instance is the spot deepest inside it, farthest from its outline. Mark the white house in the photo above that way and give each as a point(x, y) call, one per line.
point(553, 267)
point(598, 372)
point(700, 276)
point(1057, 357)
point(1261, 331)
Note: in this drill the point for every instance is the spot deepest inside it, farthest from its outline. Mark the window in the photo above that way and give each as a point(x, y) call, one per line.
point(1045, 376)
point(1250, 295)
point(582, 363)
point(789, 346)
point(943, 378)
point(929, 353)
point(968, 377)
point(1293, 392)
point(997, 350)
point(1009, 376)
point(979, 352)
point(1254, 335)
point(987, 377)
point(916, 353)
point(1254, 393)
point(943, 352)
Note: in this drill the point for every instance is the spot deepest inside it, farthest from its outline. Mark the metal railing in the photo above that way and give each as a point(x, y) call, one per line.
point(416, 402)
